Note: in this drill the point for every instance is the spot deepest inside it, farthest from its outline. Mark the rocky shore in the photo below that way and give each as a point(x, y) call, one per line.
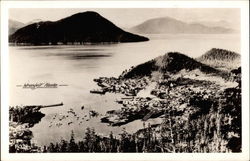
point(25, 114)
point(21, 119)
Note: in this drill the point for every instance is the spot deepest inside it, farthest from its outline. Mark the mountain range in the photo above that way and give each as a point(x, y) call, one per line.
point(85, 27)
point(14, 26)
point(162, 25)
point(167, 25)
point(172, 62)
point(210, 62)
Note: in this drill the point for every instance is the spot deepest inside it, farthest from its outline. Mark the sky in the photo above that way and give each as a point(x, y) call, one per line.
point(128, 17)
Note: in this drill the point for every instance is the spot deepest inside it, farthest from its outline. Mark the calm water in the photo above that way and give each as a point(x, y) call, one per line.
point(77, 66)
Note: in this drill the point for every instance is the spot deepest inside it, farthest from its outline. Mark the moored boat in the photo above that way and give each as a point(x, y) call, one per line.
point(98, 91)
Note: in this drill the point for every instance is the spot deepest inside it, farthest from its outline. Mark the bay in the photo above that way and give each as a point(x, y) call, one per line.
point(77, 65)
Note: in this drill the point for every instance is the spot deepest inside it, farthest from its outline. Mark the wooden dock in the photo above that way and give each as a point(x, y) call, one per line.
point(53, 105)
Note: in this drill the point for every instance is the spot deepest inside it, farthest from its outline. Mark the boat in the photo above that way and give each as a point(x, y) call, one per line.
point(127, 98)
point(130, 94)
point(103, 85)
point(98, 91)
point(119, 101)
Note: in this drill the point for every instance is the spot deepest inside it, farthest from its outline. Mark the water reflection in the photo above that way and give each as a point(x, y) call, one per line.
point(89, 56)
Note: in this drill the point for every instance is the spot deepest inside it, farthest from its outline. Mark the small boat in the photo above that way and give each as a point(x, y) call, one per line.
point(93, 113)
point(98, 91)
point(119, 101)
point(125, 98)
point(130, 94)
point(97, 80)
point(103, 84)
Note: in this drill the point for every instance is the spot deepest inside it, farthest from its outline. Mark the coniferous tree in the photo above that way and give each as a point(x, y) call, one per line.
point(63, 145)
point(51, 147)
point(88, 140)
point(72, 146)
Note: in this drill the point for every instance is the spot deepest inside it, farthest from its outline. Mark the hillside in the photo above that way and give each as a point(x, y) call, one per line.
point(167, 25)
point(14, 26)
point(221, 58)
point(199, 109)
point(86, 27)
point(172, 62)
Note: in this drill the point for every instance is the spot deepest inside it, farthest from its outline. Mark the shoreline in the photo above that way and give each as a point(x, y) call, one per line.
point(198, 113)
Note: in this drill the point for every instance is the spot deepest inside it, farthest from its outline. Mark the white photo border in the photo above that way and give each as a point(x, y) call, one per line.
point(243, 5)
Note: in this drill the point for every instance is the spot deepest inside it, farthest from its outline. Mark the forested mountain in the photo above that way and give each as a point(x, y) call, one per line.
point(86, 27)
